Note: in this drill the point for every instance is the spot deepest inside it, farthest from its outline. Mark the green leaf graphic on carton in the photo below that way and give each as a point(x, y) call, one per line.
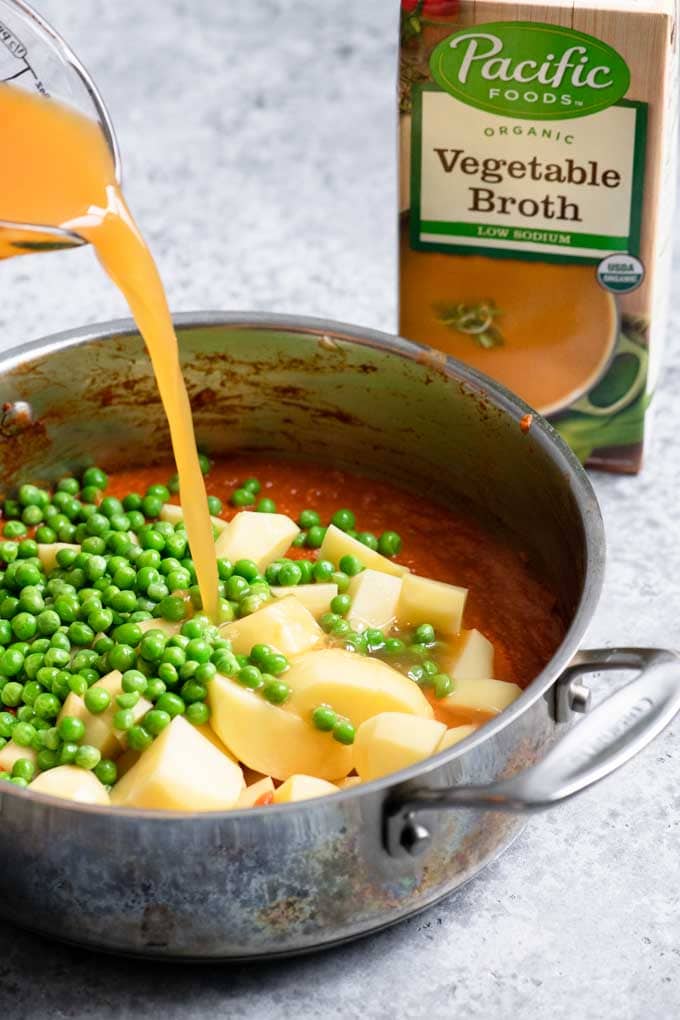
point(528, 70)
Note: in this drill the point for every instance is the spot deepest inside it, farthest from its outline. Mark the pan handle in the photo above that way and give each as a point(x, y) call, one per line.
point(609, 736)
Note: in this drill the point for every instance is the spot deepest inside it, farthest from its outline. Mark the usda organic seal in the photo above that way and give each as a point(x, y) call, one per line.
point(620, 272)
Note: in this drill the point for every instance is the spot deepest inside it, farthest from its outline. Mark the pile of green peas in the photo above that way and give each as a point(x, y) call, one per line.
point(326, 719)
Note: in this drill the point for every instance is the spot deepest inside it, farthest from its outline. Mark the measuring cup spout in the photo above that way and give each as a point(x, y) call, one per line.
point(25, 238)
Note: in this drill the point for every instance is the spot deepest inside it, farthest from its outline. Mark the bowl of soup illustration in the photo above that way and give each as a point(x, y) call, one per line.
point(548, 335)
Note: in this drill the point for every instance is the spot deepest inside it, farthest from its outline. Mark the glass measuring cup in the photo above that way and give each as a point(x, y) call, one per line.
point(35, 57)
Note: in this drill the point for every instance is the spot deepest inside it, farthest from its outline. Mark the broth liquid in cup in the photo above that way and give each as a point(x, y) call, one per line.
point(56, 169)
point(537, 154)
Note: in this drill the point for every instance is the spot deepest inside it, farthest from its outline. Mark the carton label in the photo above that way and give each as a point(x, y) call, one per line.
point(563, 190)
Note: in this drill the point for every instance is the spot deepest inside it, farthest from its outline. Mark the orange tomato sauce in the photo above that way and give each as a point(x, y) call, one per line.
point(513, 607)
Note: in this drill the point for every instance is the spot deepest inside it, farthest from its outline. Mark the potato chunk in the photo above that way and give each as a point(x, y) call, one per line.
point(355, 685)
point(258, 537)
point(314, 597)
point(471, 658)
point(270, 739)
point(375, 595)
point(180, 771)
point(12, 752)
point(425, 601)
point(302, 788)
point(47, 553)
point(455, 735)
point(337, 544)
point(258, 794)
point(470, 698)
point(71, 783)
point(284, 624)
point(173, 513)
point(392, 741)
point(99, 728)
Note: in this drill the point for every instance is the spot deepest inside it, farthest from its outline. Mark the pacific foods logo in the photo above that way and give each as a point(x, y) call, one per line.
point(524, 69)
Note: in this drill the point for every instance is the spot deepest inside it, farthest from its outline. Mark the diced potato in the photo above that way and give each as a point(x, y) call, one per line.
point(258, 537)
point(99, 728)
point(71, 783)
point(284, 624)
point(47, 553)
point(314, 597)
point(180, 771)
point(337, 544)
point(392, 741)
point(208, 732)
point(471, 658)
point(302, 788)
point(174, 514)
point(455, 735)
point(488, 697)
point(375, 595)
point(167, 626)
point(425, 601)
point(348, 783)
point(12, 752)
point(270, 739)
point(257, 794)
point(355, 685)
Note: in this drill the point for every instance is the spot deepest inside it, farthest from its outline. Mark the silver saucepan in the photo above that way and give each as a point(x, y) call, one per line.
point(266, 882)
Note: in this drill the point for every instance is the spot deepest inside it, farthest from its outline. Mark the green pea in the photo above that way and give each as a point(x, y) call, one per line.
point(324, 718)
point(47, 759)
point(350, 565)
point(242, 497)
point(266, 506)
point(431, 668)
point(344, 732)
point(394, 646)
point(123, 719)
point(389, 543)
point(106, 772)
point(341, 604)
point(45, 535)
point(7, 724)
point(250, 676)
point(80, 633)
point(275, 663)
point(341, 628)
point(153, 645)
point(205, 672)
point(198, 650)
point(156, 720)
point(47, 706)
point(290, 574)
point(8, 551)
point(204, 463)
point(176, 545)
point(171, 703)
point(11, 663)
point(308, 519)
point(14, 529)
point(300, 540)
point(252, 485)
point(341, 579)
point(128, 634)
point(214, 505)
point(315, 537)
point(246, 569)
point(134, 680)
point(343, 519)
point(128, 700)
point(23, 734)
point(368, 539)
point(443, 685)
point(24, 769)
point(139, 738)
point(31, 516)
point(133, 501)
point(67, 752)
point(424, 634)
point(78, 684)
point(137, 520)
point(97, 699)
point(236, 587)
point(154, 688)
point(198, 713)
point(28, 574)
point(276, 691)
point(172, 608)
point(96, 477)
point(323, 571)
point(87, 757)
point(71, 729)
point(100, 619)
point(6, 634)
point(328, 621)
point(272, 573)
point(25, 714)
point(24, 626)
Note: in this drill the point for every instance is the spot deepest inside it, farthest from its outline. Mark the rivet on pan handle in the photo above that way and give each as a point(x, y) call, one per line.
point(609, 736)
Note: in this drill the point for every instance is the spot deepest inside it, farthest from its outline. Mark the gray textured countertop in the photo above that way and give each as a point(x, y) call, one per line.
point(258, 154)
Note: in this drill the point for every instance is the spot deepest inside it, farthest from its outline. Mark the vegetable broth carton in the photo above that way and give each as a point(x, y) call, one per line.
point(537, 146)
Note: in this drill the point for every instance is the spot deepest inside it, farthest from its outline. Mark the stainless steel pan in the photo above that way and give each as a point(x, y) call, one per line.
point(287, 879)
